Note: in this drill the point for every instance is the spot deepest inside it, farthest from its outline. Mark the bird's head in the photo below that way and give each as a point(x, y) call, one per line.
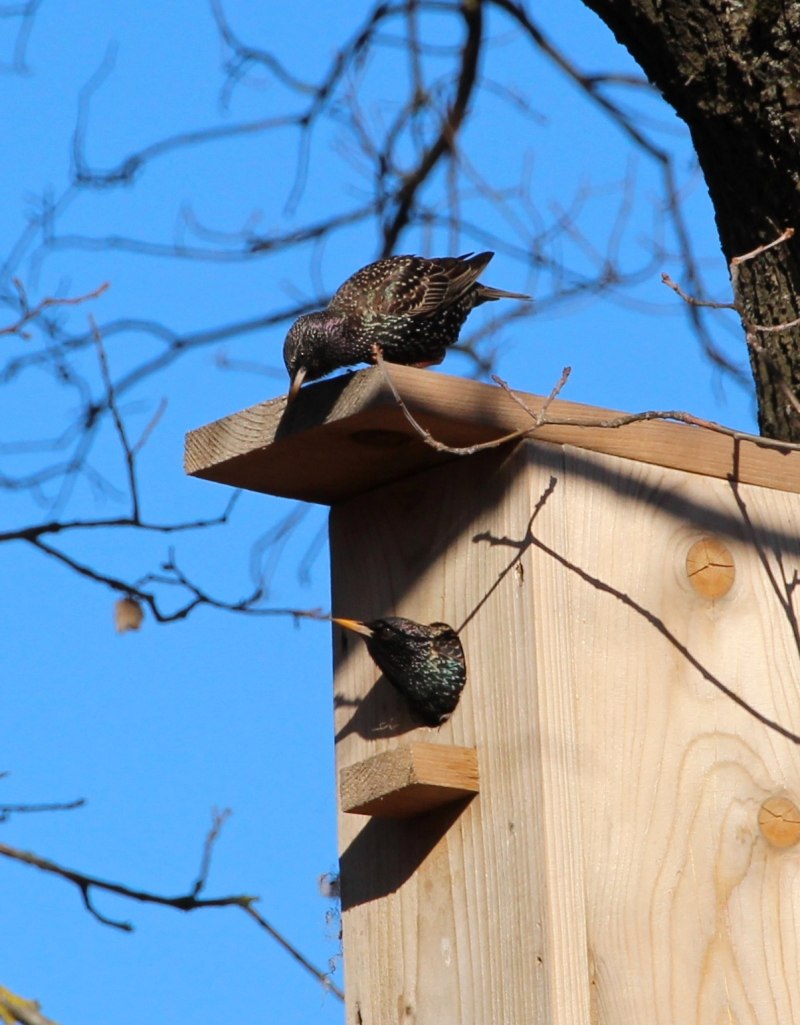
point(425, 663)
point(396, 632)
point(306, 351)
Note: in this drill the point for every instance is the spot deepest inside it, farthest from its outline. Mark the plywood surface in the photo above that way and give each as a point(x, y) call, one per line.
point(347, 435)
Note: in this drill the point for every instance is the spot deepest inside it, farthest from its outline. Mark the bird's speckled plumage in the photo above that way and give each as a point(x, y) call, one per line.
point(411, 306)
point(425, 663)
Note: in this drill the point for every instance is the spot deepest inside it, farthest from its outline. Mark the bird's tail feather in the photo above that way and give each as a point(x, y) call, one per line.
point(488, 294)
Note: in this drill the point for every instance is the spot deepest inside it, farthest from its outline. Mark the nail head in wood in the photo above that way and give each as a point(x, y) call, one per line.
point(779, 822)
point(409, 780)
point(710, 568)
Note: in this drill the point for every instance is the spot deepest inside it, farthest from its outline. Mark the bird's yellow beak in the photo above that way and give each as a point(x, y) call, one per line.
point(355, 625)
point(297, 380)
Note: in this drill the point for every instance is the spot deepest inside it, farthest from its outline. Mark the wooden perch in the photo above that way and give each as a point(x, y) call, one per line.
point(409, 780)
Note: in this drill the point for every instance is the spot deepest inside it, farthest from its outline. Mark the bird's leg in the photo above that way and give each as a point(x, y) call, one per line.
point(376, 354)
point(434, 361)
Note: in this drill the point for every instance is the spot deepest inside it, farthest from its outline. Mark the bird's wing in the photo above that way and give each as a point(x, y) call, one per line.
point(444, 282)
point(411, 285)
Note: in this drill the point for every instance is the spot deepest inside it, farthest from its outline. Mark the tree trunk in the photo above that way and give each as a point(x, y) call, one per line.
point(732, 72)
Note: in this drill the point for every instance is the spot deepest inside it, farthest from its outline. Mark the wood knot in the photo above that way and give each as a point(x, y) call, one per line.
point(779, 822)
point(710, 568)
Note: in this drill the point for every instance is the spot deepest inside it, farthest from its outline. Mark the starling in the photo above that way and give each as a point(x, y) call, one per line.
point(410, 306)
point(425, 663)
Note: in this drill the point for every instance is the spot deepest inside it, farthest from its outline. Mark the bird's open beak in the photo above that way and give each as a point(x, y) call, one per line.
point(355, 625)
point(297, 380)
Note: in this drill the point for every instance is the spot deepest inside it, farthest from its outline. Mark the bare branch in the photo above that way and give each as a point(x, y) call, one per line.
point(735, 264)
point(785, 235)
point(26, 12)
point(32, 312)
point(6, 810)
point(427, 437)
point(219, 819)
point(591, 85)
point(150, 426)
point(111, 402)
point(197, 596)
point(737, 305)
point(472, 13)
point(691, 300)
point(121, 522)
point(245, 55)
point(752, 329)
point(86, 883)
point(186, 902)
point(542, 419)
point(320, 976)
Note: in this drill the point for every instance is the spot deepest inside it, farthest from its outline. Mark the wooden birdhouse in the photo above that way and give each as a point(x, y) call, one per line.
point(607, 829)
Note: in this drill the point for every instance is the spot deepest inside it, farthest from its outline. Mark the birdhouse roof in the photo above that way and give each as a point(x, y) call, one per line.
point(350, 434)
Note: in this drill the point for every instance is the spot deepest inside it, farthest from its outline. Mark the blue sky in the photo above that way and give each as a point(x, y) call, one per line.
point(157, 728)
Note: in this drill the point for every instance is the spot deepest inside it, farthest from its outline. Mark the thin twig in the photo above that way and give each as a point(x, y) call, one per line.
point(737, 305)
point(150, 426)
point(751, 328)
point(322, 977)
point(427, 437)
point(16, 809)
point(187, 902)
point(198, 596)
point(219, 818)
point(86, 883)
point(117, 522)
point(692, 300)
point(111, 403)
point(34, 311)
point(412, 181)
point(785, 235)
point(541, 419)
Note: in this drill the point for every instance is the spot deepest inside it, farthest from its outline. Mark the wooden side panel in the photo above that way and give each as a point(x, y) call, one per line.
point(692, 916)
point(448, 916)
point(611, 869)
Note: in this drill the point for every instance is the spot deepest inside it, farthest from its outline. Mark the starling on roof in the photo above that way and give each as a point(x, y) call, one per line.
point(411, 307)
point(425, 663)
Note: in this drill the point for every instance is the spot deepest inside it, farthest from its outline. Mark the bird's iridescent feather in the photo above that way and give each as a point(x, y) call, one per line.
point(412, 307)
point(425, 663)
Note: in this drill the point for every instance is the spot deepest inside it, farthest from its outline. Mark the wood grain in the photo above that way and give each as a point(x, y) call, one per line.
point(347, 435)
point(612, 869)
point(409, 780)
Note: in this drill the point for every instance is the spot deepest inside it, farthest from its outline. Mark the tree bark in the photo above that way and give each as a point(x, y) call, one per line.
point(732, 73)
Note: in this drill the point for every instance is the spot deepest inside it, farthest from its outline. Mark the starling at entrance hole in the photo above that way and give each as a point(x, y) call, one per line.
point(411, 307)
point(425, 663)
